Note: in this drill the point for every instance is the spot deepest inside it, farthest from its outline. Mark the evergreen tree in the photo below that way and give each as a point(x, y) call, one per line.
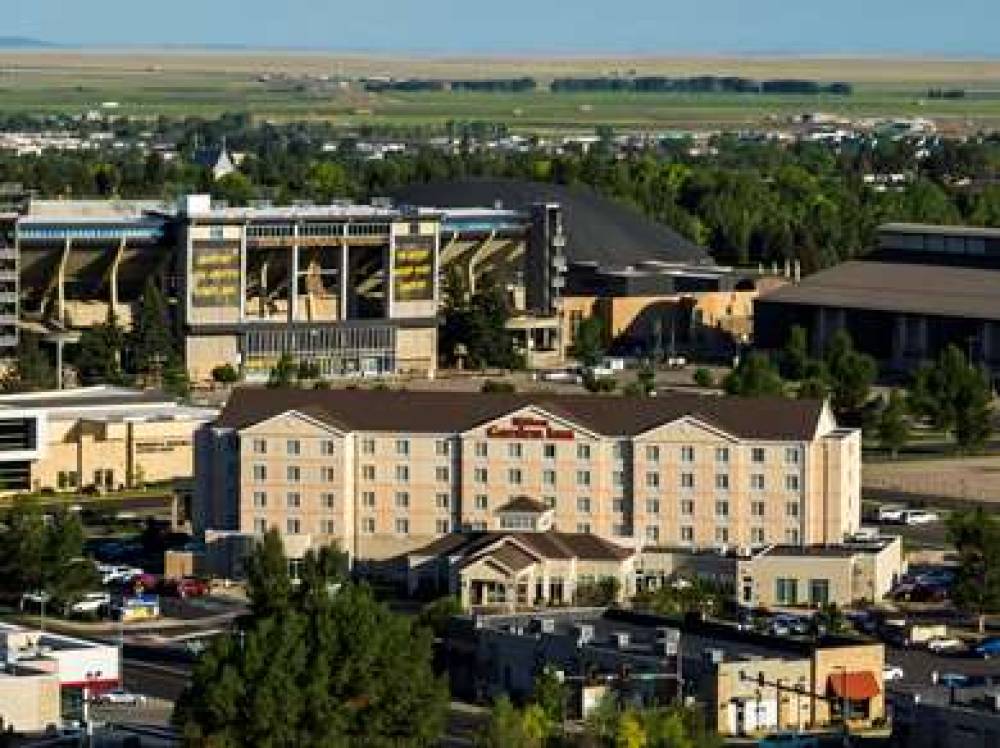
point(588, 343)
point(98, 354)
point(283, 373)
point(154, 349)
point(850, 375)
point(795, 357)
point(893, 425)
point(32, 370)
point(269, 586)
point(976, 537)
point(754, 377)
point(955, 396)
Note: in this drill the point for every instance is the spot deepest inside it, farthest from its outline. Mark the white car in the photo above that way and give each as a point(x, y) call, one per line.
point(892, 672)
point(92, 602)
point(919, 517)
point(944, 644)
point(891, 513)
point(121, 697)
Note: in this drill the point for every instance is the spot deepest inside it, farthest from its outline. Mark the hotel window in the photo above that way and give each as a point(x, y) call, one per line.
point(293, 473)
point(549, 501)
point(327, 475)
point(294, 525)
point(652, 454)
point(259, 499)
point(757, 508)
point(687, 507)
point(443, 501)
point(793, 455)
point(368, 498)
point(652, 506)
point(368, 525)
point(687, 534)
point(621, 531)
point(549, 451)
point(722, 454)
point(618, 478)
point(792, 482)
point(326, 447)
point(652, 533)
point(260, 446)
point(721, 508)
point(722, 481)
point(403, 447)
point(583, 528)
point(403, 473)
point(549, 477)
point(402, 500)
point(792, 535)
point(515, 451)
point(652, 480)
point(757, 455)
point(757, 481)
point(442, 526)
point(757, 535)
point(583, 505)
point(619, 450)
point(481, 475)
point(786, 591)
point(402, 526)
point(687, 454)
point(442, 448)
point(687, 480)
point(514, 476)
point(260, 472)
point(328, 501)
point(583, 451)
point(368, 447)
point(721, 534)
point(618, 505)
point(819, 591)
point(293, 447)
point(482, 501)
point(441, 474)
point(583, 477)
point(792, 509)
point(327, 527)
point(294, 500)
point(260, 525)
point(482, 449)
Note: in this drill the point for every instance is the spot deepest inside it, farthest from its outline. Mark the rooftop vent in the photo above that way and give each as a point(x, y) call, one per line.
point(621, 639)
point(584, 633)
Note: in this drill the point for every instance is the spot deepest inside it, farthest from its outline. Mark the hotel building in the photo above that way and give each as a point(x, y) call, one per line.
point(385, 473)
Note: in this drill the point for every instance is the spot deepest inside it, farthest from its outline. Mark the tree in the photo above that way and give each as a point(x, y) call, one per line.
point(630, 732)
point(812, 388)
point(894, 425)
point(498, 386)
point(703, 377)
point(435, 615)
point(234, 188)
point(283, 373)
point(588, 344)
point(325, 666)
point(505, 728)
point(645, 377)
point(601, 593)
point(795, 356)
point(475, 329)
point(98, 354)
point(850, 375)
point(976, 537)
point(549, 693)
point(225, 374)
point(754, 377)
point(154, 347)
point(31, 370)
point(955, 396)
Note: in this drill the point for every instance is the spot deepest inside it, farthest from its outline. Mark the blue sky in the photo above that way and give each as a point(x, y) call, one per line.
point(958, 27)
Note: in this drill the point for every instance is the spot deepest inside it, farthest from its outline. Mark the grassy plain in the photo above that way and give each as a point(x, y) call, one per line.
point(283, 86)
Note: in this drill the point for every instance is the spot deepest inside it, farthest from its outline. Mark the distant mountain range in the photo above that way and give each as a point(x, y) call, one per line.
point(23, 42)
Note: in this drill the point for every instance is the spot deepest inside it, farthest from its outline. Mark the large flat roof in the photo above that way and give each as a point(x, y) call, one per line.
point(939, 230)
point(909, 288)
point(104, 403)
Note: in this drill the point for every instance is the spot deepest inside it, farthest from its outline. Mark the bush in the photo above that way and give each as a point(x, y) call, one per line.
point(225, 374)
point(598, 384)
point(498, 386)
point(703, 377)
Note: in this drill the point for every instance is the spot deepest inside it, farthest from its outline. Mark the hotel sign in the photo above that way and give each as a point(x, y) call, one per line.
point(529, 428)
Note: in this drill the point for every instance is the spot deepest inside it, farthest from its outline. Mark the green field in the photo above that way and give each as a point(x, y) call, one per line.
point(284, 87)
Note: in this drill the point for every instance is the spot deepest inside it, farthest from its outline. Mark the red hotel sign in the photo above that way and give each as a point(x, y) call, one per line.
point(529, 428)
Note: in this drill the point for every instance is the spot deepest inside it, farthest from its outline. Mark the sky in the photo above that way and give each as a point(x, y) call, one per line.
point(933, 27)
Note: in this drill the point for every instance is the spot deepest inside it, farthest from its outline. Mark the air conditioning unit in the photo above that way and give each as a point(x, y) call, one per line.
point(547, 626)
point(621, 639)
point(584, 633)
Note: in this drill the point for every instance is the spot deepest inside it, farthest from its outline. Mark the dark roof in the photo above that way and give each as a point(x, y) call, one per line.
point(511, 557)
point(545, 544)
point(910, 288)
point(597, 229)
point(983, 232)
point(439, 412)
point(523, 504)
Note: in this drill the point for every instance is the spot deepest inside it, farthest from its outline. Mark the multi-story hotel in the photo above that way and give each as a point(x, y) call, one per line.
point(383, 473)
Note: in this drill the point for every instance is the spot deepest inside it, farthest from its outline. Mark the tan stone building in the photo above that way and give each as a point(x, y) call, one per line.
point(385, 473)
point(108, 438)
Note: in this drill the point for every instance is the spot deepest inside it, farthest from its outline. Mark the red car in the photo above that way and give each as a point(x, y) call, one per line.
point(183, 587)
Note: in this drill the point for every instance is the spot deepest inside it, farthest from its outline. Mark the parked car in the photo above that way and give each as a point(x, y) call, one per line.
point(121, 697)
point(35, 599)
point(988, 648)
point(184, 587)
point(91, 602)
point(944, 644)
point(891, 513)
point(919, 517)
point(953, 680)
point(788, 740)
point(892, 672)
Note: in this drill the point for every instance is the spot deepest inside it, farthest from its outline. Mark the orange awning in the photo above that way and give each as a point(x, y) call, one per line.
point(859, 686)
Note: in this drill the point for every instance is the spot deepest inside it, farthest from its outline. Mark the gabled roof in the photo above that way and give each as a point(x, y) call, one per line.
point(523, 504)
point(551, 545)
point(769, 418)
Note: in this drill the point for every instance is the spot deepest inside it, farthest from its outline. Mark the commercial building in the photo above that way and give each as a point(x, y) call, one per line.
point(939, 717)
point(923, 288)
point(107, 438)
point(748, 683)
point(385, 473)
point(47, 676)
